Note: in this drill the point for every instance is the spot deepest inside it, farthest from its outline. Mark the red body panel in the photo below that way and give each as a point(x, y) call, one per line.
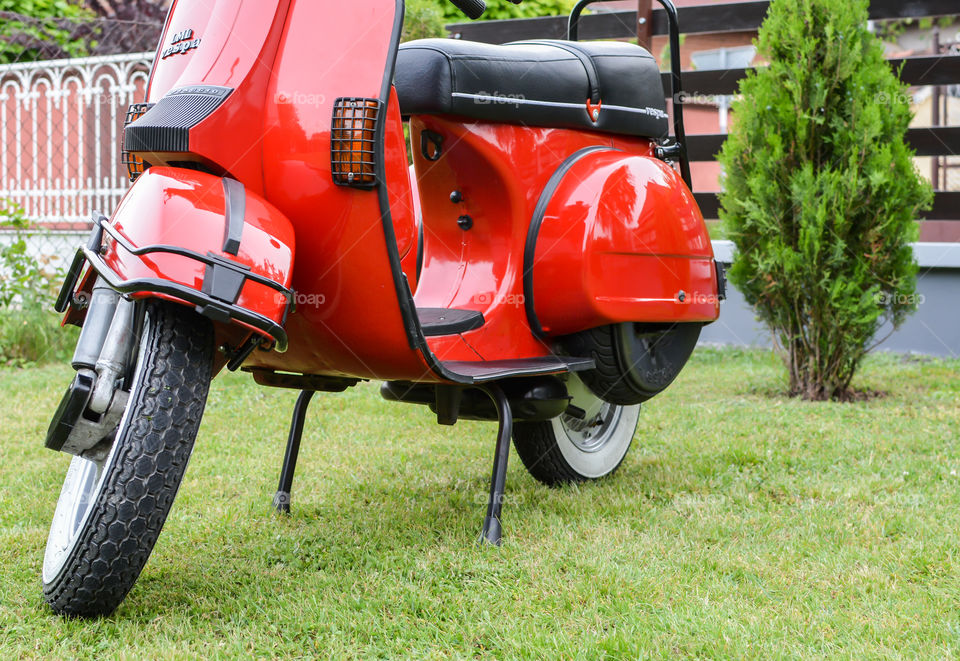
point(619, 230)
point(621, 239)
point(355, 325)
point(500, 170)
point(238, 43)
point(179, 207)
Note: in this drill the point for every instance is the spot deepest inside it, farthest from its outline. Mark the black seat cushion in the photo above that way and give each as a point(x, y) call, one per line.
point(538, 83)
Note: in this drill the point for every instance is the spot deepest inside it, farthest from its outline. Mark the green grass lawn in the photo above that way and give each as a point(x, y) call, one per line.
point(742, 524)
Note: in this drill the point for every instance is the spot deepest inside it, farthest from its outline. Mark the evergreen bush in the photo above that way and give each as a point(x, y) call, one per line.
point(821, 192)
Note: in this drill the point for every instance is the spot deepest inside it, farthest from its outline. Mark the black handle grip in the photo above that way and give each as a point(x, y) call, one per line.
point(472, 9)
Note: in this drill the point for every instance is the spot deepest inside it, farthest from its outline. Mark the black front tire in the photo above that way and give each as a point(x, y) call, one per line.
point(110, 512)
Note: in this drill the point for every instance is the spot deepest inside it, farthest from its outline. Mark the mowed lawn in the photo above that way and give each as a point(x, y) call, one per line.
point(742, 524)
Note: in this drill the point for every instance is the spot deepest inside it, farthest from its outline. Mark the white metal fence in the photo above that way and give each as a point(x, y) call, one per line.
point(60, 127)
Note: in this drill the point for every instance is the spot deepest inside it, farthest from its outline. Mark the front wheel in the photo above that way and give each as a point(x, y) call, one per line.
point(587, 442)
point(111, 509)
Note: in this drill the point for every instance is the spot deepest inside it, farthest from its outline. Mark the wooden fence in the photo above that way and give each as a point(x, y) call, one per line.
point(939, 69)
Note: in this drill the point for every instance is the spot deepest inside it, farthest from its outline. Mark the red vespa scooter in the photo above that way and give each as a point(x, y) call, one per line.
point(545, 266)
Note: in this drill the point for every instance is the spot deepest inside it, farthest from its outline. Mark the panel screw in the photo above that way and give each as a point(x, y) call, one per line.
point(596, 115)
point(456, 197)
point(681, 296)
point(465, 222)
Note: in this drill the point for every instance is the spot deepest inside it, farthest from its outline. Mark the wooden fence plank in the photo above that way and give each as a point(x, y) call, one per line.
point(609, 25)
point(946, 205)
point(727, 17)
point(934, 141)
point(918, 70)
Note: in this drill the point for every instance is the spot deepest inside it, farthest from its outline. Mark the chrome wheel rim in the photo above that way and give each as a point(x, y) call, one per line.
point(593, 444)
point(597, 427)
point(80, 487)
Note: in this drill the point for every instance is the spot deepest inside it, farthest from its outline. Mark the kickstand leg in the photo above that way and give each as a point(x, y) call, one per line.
point(492, 529)
point(281, 500)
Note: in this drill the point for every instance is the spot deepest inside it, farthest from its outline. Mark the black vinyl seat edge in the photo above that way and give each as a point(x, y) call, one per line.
point(547, 83)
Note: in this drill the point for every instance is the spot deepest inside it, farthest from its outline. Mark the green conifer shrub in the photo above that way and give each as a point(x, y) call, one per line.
point(821, 192)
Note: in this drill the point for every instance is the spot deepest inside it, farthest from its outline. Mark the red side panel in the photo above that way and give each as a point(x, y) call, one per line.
point(500, 171)
point(622, 240)
point(186, 209)
point(621, 236)
point(349, 320)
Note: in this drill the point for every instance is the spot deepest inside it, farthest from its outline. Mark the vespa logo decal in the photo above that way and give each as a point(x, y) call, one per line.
point(181, 42)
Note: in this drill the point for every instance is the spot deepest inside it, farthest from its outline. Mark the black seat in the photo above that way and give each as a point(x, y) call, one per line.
point(537, 83)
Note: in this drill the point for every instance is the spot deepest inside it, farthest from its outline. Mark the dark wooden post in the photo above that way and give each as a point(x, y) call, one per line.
point(645, 23)
point(935, 119)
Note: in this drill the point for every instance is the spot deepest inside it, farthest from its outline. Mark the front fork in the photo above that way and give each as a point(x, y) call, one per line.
point(94, 403)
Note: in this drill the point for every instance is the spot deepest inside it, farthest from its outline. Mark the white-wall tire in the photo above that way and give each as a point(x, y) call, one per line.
point(577, 447)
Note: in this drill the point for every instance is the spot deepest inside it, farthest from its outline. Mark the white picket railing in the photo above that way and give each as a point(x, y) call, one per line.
point(60, 129)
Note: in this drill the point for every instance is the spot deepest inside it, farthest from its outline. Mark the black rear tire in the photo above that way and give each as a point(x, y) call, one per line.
point(634, 361)
point(104, 529)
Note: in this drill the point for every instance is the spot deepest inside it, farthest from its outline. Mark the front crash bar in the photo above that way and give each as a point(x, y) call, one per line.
point(217, 309)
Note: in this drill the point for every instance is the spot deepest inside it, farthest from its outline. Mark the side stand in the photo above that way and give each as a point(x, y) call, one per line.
point(492, 528)
point(281, 501)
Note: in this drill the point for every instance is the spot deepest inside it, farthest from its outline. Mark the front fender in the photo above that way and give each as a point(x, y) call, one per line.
point(199, 239)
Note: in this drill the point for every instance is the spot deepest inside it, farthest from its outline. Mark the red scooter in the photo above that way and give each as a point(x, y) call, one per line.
point(543, 265)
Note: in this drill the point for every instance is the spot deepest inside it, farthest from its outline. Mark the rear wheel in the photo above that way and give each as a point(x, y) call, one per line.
point(634, 361)
point(111, 509)
point(587, 442)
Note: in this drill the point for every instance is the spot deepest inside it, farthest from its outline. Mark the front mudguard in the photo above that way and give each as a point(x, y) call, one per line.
point(201, 240)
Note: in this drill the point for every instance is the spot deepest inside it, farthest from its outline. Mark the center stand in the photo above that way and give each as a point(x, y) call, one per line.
point(492, 532)
point(492, 528)
point(281, 500)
